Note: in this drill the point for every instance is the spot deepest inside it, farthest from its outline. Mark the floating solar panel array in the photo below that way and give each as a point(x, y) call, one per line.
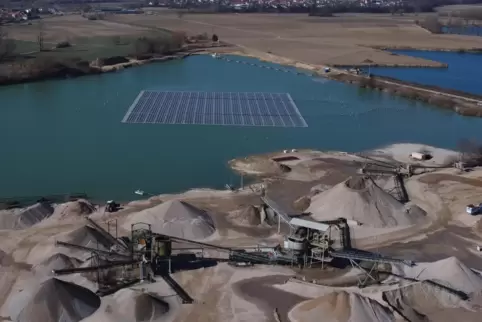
point(215, 108)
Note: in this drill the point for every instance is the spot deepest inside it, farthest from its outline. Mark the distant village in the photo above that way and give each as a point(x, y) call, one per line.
point(22, 15)
point(284, 5)
point(12, 15)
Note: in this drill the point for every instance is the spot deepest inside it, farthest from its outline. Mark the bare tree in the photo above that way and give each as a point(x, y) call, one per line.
point(7, 45)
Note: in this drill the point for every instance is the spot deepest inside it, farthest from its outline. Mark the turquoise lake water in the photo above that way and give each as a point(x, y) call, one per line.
point(67, 136)
point(463, 30)
point(463, 73)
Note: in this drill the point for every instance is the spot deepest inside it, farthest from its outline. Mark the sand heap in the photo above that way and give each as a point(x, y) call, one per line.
point(449, 272)
point(56, 261)
point(74, 208)
point(53, 301)
point(341, 307)
point(26, 217)
point(136, 306)
point(249, 216)
point(88, 237)
point(361, 200)
point(419, 301)
point(175, 218)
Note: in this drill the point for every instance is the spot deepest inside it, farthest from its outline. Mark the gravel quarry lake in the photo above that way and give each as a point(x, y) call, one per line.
point(462, 74)
point(67, 136)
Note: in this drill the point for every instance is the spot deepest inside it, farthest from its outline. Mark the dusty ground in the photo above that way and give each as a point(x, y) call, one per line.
point(344, 39)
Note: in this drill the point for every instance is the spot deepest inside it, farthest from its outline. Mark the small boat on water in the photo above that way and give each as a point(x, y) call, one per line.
point(140, 192)
point(215, 55)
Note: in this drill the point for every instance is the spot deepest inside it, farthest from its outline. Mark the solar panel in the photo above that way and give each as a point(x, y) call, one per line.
point(215, 108)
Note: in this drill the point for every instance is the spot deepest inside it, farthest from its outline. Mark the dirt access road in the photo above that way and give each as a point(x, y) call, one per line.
point(343, 40)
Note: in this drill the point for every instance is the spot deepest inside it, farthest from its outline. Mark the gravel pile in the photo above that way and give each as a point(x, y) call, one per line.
point(137, 306)
point(88, 237)
point(175, 218)
point(26, 217)
point(450, 272)
point(361, 200)
point(249, 216)
point(56, 261)
point(53, 301)
point(341, 307)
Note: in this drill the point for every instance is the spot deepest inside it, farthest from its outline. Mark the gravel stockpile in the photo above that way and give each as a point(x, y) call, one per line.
point(249, 216)
point(361, 200)
point(175, 218)
point(450, 272)
point(137, 306)
point(88, 237)
point(53, 301)
point(341, 307)
point(56, 261)
point(26, 217)
point(79, 207)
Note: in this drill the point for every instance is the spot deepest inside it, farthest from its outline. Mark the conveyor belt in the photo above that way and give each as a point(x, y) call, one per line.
point(91, 268)
point(400, 184)
point(371, 257)
point(247, 257)
point(277, 209)
point(88, 249)
point(107, 235)
point(379, 162)
point(186, 299)
point(241, 254)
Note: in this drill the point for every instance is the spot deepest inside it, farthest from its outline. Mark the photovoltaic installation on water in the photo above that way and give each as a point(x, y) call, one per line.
point(215, 108)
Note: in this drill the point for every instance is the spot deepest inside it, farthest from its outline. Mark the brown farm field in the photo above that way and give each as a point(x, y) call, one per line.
point(89, 39)
point(71, 27)
point(347, 39)
point(342, 40)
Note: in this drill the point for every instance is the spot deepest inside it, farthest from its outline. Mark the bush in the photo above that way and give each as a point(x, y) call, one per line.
point(63, 44)
point(95, 16)
point(165, 44)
